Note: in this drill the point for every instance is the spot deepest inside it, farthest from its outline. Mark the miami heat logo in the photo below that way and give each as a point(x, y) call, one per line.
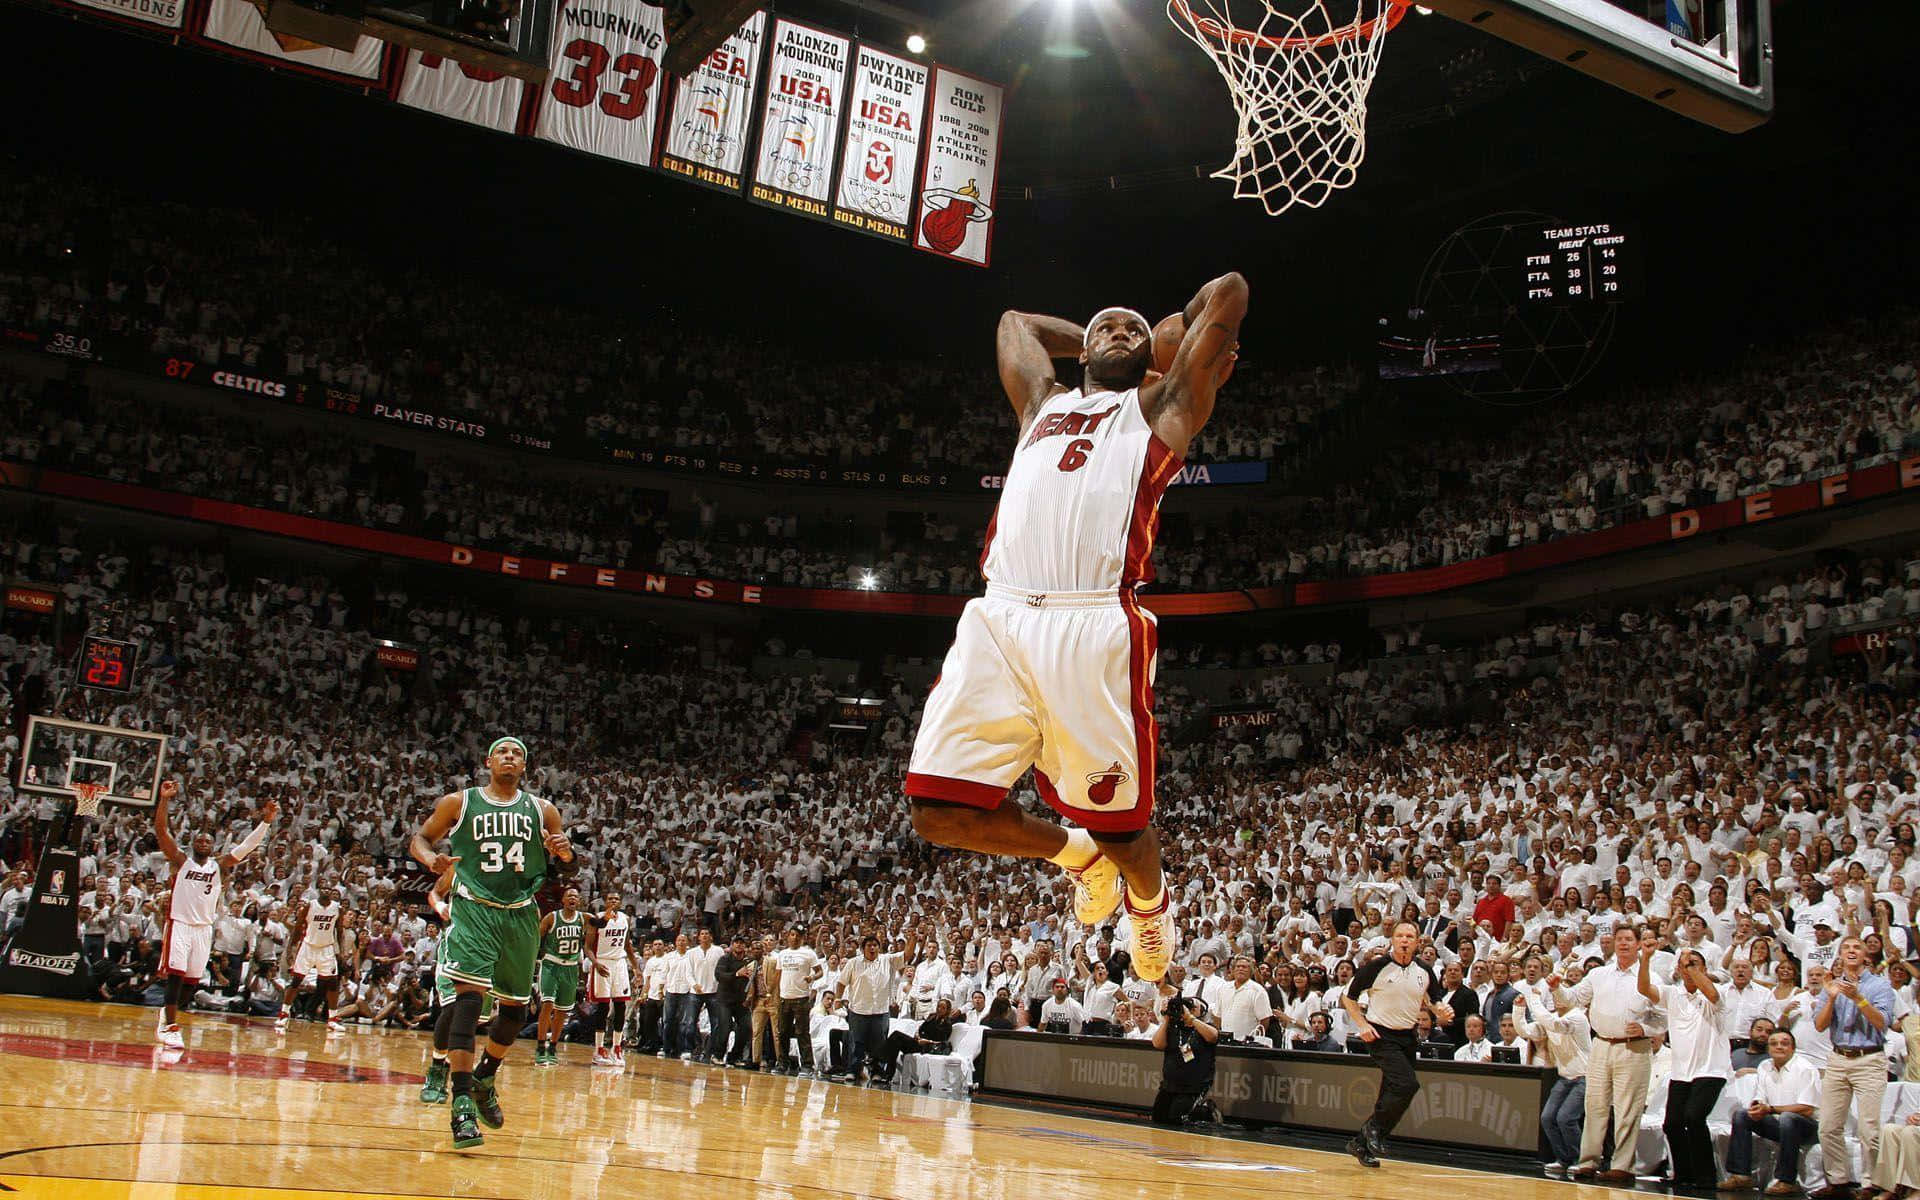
point(1101, 785)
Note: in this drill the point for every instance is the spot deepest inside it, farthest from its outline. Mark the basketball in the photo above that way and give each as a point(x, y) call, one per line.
point(1166, 341)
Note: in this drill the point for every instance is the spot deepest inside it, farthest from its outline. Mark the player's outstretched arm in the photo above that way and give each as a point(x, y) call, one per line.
point(439, 823)
point(1027, 344)
point(1202, 365)
point(168, 790)
point(269, 813)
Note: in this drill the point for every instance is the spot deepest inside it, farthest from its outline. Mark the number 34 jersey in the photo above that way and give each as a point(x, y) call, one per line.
point(1082, 498)
point(503, 859)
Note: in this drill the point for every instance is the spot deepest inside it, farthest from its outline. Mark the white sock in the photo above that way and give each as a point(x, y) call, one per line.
point(1078, 852)
point(599, 1042)
point(1142, 904)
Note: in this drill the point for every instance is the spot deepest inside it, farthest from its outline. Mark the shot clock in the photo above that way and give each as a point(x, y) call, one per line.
point(108, 664)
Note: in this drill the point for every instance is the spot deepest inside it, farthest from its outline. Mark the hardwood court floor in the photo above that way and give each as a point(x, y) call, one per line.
point(92, 1109)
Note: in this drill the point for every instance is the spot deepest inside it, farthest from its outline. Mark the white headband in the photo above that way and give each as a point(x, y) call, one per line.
point(1107, 312)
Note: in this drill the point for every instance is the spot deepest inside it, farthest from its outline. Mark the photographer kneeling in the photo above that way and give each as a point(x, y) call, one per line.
point(1186, 1039)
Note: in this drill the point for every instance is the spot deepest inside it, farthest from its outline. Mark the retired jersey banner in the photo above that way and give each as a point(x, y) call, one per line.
point(462, 91)
point(885, 113)
point(241, 25)
point(962, 162)
point(167, 14)
point(706, 138)
point(604, 96)
point(800, 122)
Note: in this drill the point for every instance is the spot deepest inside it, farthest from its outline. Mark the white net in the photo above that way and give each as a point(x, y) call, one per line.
point(1299, 81)
point(86, 798)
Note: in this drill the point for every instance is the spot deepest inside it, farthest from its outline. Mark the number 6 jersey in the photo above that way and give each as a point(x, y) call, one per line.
point(1082, 499)
point(498, 842)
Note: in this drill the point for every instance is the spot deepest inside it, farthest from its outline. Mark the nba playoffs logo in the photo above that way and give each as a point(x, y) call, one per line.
point(1101, 785)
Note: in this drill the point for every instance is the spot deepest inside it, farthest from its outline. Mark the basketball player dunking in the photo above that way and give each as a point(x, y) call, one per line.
point(501, 838)
point(195, 904)
point(1053, 668)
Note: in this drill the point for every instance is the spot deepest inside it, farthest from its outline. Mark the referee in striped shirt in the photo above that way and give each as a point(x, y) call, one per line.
point(1397, 989)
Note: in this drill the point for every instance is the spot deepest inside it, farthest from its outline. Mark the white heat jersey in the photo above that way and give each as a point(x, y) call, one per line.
point(1082, 498)
point(196, 893)
point(611, 945)
point(323, 927)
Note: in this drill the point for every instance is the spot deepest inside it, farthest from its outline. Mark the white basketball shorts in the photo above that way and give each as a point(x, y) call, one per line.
point(616, 984)
point(313, 963)
point(1061, 682)
point(186, 950)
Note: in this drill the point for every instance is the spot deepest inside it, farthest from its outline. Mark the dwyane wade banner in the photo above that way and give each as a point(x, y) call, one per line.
point(800, 121)
point(706, 136)
point(886, 112)
point(604, 93)
point(476, 95)
point(239, 24)
point(961, 165)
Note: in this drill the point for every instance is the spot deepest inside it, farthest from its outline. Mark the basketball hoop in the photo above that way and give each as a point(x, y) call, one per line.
point(86, 798)
point(1299, 82)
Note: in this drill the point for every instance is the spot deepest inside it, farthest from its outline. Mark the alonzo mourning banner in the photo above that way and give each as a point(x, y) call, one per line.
point(476, 95)
point(239, 24)
point(706, 138)
point(884, 118)
point(962, 163)
point(604, 94)
point(800, 122)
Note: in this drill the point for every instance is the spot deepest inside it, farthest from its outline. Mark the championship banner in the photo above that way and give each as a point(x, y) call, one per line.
point(800, 123)
point(476, 95)
point(43, 959)
point(604, 94)
point(167, 14)
point(706, 138)
point(962, 163)
point(884, 118)
point(239, 24)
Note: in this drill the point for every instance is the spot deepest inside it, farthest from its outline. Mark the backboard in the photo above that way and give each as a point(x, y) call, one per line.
point(1710, 60)
point(126, 763)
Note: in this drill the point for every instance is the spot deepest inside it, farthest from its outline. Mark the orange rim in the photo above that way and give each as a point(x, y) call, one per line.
point(1234, 35)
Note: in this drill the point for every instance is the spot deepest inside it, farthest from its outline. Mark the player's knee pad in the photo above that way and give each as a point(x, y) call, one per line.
point(508, 1021)
point(616, 1015)
point(174, 986)
point(466, 1020)
point(443, 1027)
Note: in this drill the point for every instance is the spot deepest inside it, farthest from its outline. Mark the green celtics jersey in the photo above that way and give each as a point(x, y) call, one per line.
point(502, 857)
point(562, 944)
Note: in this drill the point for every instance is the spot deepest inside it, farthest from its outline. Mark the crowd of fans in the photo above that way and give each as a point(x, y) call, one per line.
point(1691, 768)
point(281, 298)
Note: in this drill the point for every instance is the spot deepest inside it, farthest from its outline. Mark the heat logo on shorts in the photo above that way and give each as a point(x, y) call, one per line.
point(1102, 784)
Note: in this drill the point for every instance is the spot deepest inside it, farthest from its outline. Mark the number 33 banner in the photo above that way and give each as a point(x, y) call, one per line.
point(603, 96)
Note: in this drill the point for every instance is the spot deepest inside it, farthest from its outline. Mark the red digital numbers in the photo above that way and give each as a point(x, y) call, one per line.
point(433, 62)
point(180, 368)
point(105, 668)
point(636, 73)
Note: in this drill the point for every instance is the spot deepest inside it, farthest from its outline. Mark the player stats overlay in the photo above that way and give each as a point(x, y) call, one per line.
point(886, 114)
point(706, 135)
point(604, 93)
point(800, 122)
point(962, 165)
point(476, 95)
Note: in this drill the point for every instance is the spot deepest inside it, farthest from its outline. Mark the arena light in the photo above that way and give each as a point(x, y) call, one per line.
point(916, 44)
point(869, 581)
